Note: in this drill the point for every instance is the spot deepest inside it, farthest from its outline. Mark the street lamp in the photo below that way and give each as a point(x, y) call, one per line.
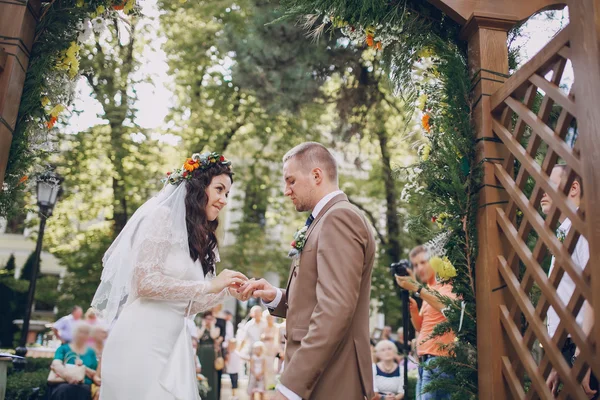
point(48, 190)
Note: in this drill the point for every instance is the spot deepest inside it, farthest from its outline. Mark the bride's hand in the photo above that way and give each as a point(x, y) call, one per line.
point(227, 279)
point(241, 296)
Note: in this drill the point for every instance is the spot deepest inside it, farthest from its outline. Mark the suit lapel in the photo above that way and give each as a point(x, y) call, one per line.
point(331, 203)
point(296, 260)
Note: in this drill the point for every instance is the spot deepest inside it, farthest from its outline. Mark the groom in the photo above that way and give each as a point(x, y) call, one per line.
point(327, 299)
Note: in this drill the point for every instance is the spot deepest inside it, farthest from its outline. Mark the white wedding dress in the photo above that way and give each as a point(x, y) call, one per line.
point(148, 354)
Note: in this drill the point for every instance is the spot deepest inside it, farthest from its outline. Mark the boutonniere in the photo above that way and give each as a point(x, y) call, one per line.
point(298, 242)
point(561, 235)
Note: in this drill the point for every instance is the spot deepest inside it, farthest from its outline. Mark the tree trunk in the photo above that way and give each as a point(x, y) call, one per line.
point(394, 249)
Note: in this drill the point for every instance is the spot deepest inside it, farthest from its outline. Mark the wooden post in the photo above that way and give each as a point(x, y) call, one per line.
point(488, 67)
point(18, 19)
point(585, 50)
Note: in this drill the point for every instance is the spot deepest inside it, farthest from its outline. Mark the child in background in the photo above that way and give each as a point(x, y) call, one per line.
point(258, 366)
point(233, 365)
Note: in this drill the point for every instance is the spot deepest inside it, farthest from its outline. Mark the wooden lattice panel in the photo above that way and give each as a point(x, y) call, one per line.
point(535, 117)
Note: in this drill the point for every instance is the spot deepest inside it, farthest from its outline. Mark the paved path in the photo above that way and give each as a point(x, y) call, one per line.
point(241, 393)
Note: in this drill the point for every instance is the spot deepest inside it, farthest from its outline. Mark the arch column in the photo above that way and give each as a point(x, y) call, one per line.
point(488, 68)
point(18, 19)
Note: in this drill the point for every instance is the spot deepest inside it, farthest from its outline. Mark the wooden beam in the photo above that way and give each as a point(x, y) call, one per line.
point(540, 63)
point(517, 10)
point(487, 51)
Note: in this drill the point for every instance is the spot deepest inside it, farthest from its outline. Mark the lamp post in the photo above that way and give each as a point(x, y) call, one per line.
point(48, 190)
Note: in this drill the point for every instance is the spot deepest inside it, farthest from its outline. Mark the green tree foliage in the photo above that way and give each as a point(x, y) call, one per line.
point(13, 295)
point(256, 86)
point(109, 169)
point(220, 108)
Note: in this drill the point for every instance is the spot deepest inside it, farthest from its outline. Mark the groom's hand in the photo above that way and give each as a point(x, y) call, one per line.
point(259, 289)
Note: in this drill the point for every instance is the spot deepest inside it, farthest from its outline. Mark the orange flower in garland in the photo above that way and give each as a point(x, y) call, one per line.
point(370, 40)
point(191, 164)
point(50, 124)
point(425, 122)
point(23, 179)
point(379, 46)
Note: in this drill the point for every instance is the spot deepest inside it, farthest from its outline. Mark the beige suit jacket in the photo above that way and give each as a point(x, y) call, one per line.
point(326, 305)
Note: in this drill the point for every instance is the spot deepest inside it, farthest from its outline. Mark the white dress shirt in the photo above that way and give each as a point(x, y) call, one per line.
point(566, 287)
point(272, 305)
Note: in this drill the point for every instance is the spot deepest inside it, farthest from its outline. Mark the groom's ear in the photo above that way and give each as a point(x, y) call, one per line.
point(317, 175)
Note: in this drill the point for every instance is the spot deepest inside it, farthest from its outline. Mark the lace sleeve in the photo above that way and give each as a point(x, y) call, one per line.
point(208, 301)
point(149, 278)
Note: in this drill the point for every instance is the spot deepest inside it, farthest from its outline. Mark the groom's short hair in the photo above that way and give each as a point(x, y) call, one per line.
point(314, 155)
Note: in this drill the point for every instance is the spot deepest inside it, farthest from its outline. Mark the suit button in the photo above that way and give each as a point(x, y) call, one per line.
point(295, 274)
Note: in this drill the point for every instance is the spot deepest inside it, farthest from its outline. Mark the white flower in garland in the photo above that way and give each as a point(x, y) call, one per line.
point(98, 25)
point(85, 31)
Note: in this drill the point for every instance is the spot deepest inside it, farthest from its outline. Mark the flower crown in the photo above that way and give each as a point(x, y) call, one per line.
point(197, 161)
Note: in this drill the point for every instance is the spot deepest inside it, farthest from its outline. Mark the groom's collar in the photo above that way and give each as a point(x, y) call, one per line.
point(328, 202)
point(323, 202)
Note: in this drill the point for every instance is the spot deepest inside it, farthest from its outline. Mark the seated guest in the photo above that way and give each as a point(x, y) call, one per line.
point(74, 354)
point(388, 377)
point(97, 339)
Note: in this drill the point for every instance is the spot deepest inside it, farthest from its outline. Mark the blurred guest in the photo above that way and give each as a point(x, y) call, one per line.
point(229, 331)
point(98, 338)
point(69, 359)
point(386, 334)
point(254, 329)
point(566, 287)
point(207, 345)
point(234, 366)
point(221, 324)
point(429, 347)
point(388, 377)
point(281, 349)
point(258, 364)
point(271, 340)
point(91, 317)
point(399, 342)
point(63, 328)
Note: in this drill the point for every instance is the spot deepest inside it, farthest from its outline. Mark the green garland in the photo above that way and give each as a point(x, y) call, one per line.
point(443, 186)
point(446, 191)
point(48, 87)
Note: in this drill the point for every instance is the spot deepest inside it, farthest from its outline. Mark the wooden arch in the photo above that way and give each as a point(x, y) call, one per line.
point(518, 145)
point(507, 130)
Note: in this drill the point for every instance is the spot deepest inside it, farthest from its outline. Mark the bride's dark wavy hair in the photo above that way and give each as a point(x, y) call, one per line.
point(202, 239)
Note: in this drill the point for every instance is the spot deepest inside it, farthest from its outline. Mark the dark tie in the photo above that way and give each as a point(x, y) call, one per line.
point(309, 220)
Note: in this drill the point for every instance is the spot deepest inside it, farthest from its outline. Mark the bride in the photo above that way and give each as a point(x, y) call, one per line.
point(159, 271)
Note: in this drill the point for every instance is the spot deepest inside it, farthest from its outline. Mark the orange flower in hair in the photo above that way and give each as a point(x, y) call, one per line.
point(190, 164)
